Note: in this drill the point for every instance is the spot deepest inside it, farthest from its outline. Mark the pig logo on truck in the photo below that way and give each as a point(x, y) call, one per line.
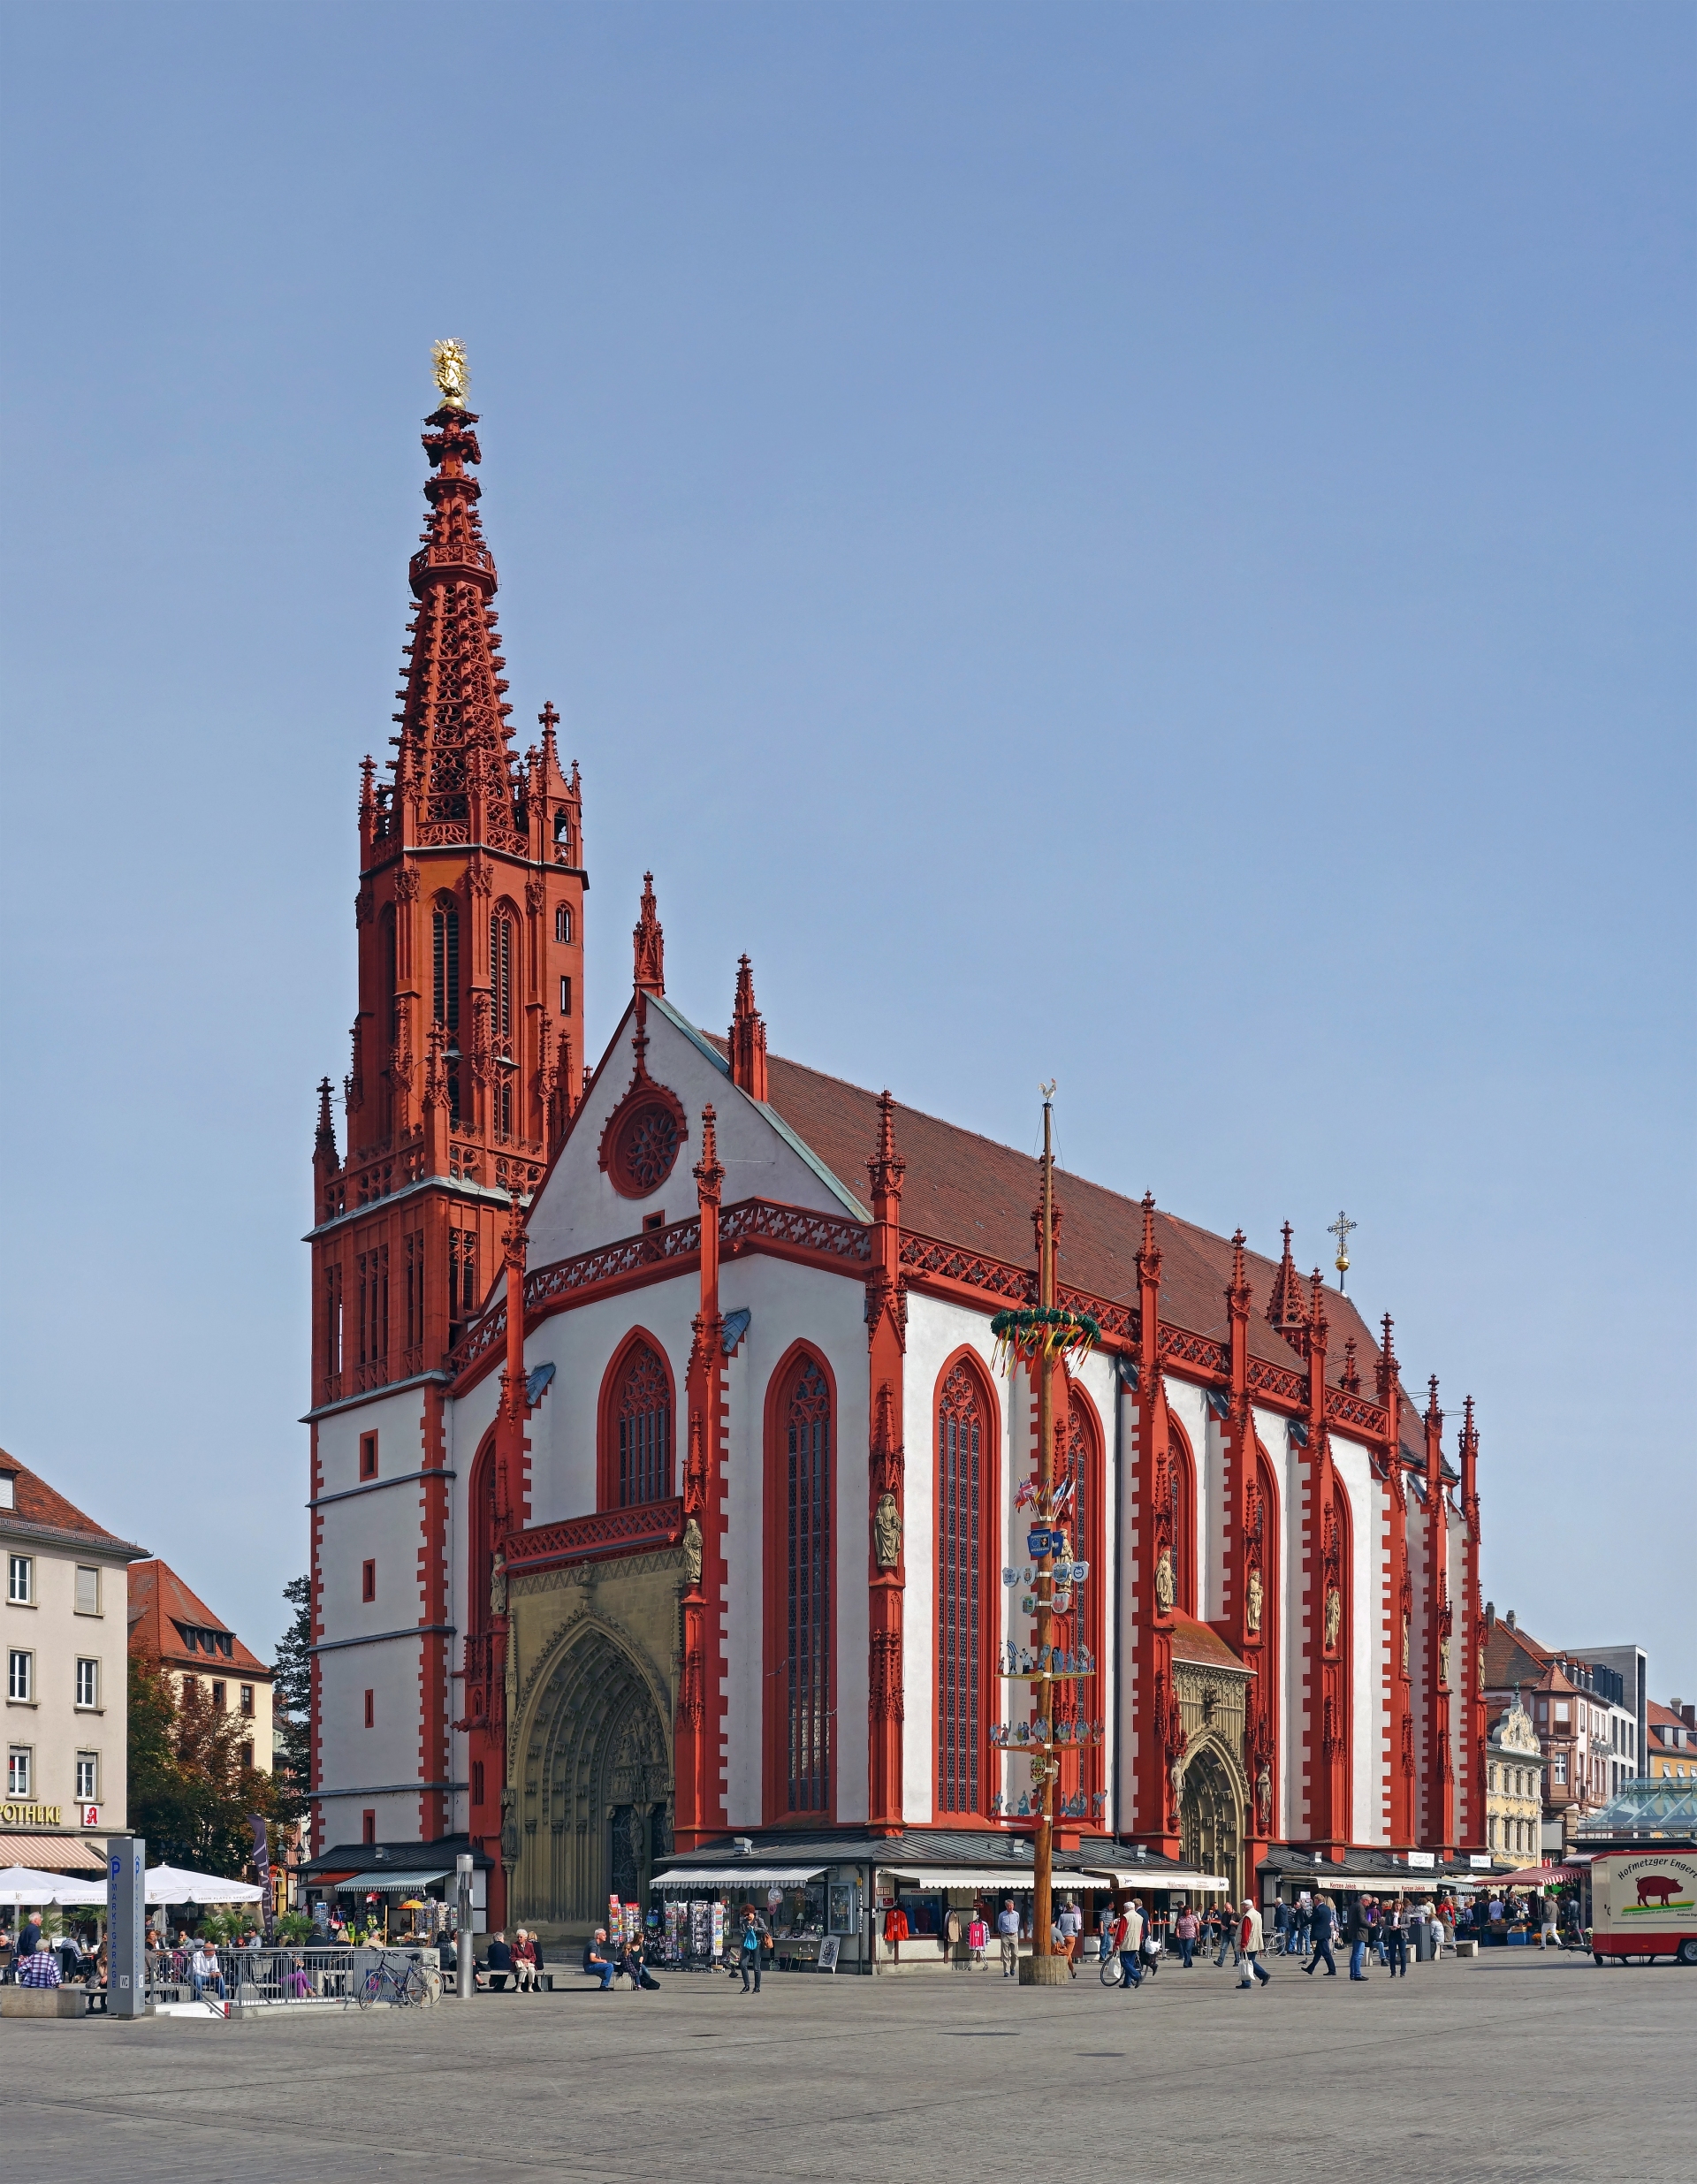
point(1657, 1888)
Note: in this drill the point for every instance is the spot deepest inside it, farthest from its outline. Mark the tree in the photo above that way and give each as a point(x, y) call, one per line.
point(292, 1697)
point(189, 1793)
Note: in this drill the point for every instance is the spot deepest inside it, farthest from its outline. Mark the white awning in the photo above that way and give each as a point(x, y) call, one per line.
point(1013, 1878)
point(387, 1884)
point(734, 1875)
point(1151, 1876)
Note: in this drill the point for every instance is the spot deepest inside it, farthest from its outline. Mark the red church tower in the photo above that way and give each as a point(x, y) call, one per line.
point(468, 1046)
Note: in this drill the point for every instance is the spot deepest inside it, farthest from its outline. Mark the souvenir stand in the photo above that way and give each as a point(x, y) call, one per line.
point(695, 1913)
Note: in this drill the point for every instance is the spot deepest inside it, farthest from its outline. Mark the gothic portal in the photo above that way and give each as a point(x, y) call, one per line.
point(596, 1786)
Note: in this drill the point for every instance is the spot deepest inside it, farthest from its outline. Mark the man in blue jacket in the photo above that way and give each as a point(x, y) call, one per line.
point(1321, 1924)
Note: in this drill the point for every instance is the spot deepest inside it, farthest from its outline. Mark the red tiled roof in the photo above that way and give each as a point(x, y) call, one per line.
point(35, 1502)
point(159, 1601)
point(1199, 1641)
point(967, 1189)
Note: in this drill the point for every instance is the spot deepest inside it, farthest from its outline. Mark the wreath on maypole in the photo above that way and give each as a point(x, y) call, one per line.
point(1043, 1333)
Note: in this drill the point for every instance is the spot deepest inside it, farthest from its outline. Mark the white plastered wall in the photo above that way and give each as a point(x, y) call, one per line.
point(1295, 1477)
point(1186, 1401)
point(579, 1210)
point(1368, 1560)
point(792, 1304)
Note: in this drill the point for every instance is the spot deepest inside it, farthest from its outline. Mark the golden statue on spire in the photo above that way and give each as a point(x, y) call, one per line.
point(453, 374)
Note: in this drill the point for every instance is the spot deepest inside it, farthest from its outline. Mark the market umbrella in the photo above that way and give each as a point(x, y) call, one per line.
point(23, 1886)
point(171, 1884)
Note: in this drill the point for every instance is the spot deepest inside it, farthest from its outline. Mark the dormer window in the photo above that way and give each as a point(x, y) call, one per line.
point(8, 1489)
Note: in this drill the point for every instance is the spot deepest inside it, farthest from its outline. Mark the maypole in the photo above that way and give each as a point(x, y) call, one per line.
point(1042, 1339)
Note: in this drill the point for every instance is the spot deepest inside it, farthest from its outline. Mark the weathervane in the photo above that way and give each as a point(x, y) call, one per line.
point(452, 375)
point(1341, 1229)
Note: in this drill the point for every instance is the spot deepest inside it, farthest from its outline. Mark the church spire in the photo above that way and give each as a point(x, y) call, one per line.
point(454, 761)
point(649, 967)
point(748, 1040)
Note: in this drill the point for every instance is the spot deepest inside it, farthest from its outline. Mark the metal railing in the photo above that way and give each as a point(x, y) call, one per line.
point(279, 1976)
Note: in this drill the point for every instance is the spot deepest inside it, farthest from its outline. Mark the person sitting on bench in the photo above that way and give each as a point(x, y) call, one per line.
point(498, 1969)
point(597, 1961)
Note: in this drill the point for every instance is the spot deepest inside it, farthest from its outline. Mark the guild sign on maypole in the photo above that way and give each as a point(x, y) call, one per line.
point(1043, 1339)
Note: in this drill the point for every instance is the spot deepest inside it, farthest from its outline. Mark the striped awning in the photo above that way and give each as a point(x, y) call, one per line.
point(53, 1853)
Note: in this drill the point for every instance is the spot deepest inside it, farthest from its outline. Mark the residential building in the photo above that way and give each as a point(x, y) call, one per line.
point(173, 1629)
point(1631, 1665)
point(1514, 1786)
point(1671, 1748)
point(1588, 1732)
point(67, 1679)
point(665, 1457)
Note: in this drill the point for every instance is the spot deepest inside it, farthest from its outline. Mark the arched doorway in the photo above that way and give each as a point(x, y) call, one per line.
point(1210, 1818)
point(597, 1802)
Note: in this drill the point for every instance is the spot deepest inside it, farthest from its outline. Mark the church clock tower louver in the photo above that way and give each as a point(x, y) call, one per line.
point(467, 1047)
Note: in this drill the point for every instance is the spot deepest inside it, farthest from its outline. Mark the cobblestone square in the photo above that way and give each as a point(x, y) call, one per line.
point(1513, 2067)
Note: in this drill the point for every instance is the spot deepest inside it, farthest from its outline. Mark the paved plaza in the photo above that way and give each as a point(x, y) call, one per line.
point(1515, 2066)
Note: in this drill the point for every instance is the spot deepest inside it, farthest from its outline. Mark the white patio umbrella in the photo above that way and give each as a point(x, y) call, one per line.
point(171, 1884)
point(23, 1884)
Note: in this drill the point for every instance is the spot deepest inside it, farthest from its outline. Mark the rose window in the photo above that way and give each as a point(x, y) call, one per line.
point(647, 1148)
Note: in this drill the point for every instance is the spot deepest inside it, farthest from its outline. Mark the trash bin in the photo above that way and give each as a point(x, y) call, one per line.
point(1426, 1941)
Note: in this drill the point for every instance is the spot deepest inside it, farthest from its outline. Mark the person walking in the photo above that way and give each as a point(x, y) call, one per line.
point(1229, 1930)
point(750, 1944)
point(1184, 1933)
point(1280, 1927)
point(1396, 1924)
point(1071, 1925)
point(1251, 1942)
point(1301, 1916)
point(1355, 1932)
point(1008, 1935)
point(1322, 1923)
point(1129, 1942)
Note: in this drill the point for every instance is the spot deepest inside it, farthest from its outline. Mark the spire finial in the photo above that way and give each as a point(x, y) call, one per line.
point(451, 372)
point(323, 1143)
point(1341, 1229)
point(1287, 1306)
point(650, 944)
point(710, 1175)
point(886, 1168)
point(748, 1036)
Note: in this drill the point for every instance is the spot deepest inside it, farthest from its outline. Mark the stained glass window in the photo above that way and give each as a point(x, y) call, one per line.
point(644, 1415)
point(960, 1594)
point(807, 1578)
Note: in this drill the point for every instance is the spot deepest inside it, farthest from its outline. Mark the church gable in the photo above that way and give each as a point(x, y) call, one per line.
point(636, 1138)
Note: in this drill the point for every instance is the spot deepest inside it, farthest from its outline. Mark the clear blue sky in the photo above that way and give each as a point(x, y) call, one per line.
point(1151, 546)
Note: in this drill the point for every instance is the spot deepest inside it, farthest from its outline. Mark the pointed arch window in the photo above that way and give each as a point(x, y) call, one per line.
point(799, 1503)
point(963, 1505)
point(642, 1424)
point(562, 922)
point(444, 991)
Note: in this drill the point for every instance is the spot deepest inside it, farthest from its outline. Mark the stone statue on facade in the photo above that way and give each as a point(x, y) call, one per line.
point(497, 1585)
point(1253, 1604)
point(1443, 1659)
point(692, 1550)
point(1405, 1641)
point(887, 1533)
point(1333, 1615)
point(1165, 1591)
point(1264, 1793)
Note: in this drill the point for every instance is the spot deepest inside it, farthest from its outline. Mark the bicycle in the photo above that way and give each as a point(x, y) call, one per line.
point(405, 1988)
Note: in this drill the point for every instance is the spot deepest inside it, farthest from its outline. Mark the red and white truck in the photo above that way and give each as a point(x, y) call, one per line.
point(1644, 1905)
